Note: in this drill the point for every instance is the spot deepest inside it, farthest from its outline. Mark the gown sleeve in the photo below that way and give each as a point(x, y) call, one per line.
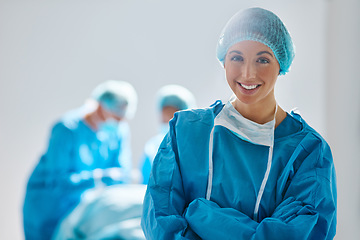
point(59, 164)
point(57, 173)
point(59, 156)
point(145, 168)
point(47, 195)
point(120, 170)
point(307, 211)
point(125, 151)
point(164, 201)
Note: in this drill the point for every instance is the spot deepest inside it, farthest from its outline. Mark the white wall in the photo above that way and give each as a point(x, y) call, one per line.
point(53, 53)
point(343, 110)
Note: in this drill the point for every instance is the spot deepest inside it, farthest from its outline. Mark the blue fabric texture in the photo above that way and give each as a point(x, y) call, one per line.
point(111, 213)
point(67, 169)
point(150, 150)
point(299, 200)
point(257, 24)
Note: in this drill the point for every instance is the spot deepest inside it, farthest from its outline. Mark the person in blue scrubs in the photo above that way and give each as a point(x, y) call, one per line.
point(88, 147)
point(170, 99)
point(244, 169)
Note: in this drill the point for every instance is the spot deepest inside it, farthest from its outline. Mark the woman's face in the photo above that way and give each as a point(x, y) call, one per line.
point(251, 72)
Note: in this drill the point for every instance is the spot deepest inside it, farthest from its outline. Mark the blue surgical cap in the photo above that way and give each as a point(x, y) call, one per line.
point(118, 97)
point(175, 96)
point(257, 24)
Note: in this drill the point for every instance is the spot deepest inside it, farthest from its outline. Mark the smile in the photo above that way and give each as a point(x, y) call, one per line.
point(249, 87)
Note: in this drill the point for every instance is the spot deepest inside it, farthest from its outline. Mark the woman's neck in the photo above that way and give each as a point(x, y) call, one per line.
point(260, 113)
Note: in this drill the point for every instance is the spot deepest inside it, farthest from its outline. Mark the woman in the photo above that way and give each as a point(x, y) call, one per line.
point(245, 169)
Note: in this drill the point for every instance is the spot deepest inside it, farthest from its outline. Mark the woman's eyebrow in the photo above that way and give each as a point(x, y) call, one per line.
point(235, 51)
point(262, 52)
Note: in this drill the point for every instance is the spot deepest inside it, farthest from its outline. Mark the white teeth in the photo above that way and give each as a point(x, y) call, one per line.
point(248, 87)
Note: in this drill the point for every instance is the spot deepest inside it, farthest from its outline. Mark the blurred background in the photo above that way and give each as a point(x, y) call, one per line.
point(53, 53)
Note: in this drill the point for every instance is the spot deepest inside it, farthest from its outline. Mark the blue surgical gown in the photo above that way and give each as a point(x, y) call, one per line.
point(65, 171)
point(150, 150)
point(299, 200)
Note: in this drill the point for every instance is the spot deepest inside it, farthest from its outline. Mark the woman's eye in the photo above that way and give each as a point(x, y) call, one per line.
point(237, 58)
point(263, 60)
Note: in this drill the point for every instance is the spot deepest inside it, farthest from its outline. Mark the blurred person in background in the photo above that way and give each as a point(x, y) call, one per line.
point(170, 99)
point(88, 147)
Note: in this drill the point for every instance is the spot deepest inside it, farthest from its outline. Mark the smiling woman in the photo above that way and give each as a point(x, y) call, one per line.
point(245, 169)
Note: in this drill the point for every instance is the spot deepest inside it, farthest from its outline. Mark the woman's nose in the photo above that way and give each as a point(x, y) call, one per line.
point(248, 70)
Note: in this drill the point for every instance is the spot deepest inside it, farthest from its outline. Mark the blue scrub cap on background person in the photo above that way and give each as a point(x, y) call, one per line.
point(118, 97)
point(257, 24)
point(175, 96)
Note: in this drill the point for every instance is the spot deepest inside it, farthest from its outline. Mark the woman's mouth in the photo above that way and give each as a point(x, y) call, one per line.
point(249, 89)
